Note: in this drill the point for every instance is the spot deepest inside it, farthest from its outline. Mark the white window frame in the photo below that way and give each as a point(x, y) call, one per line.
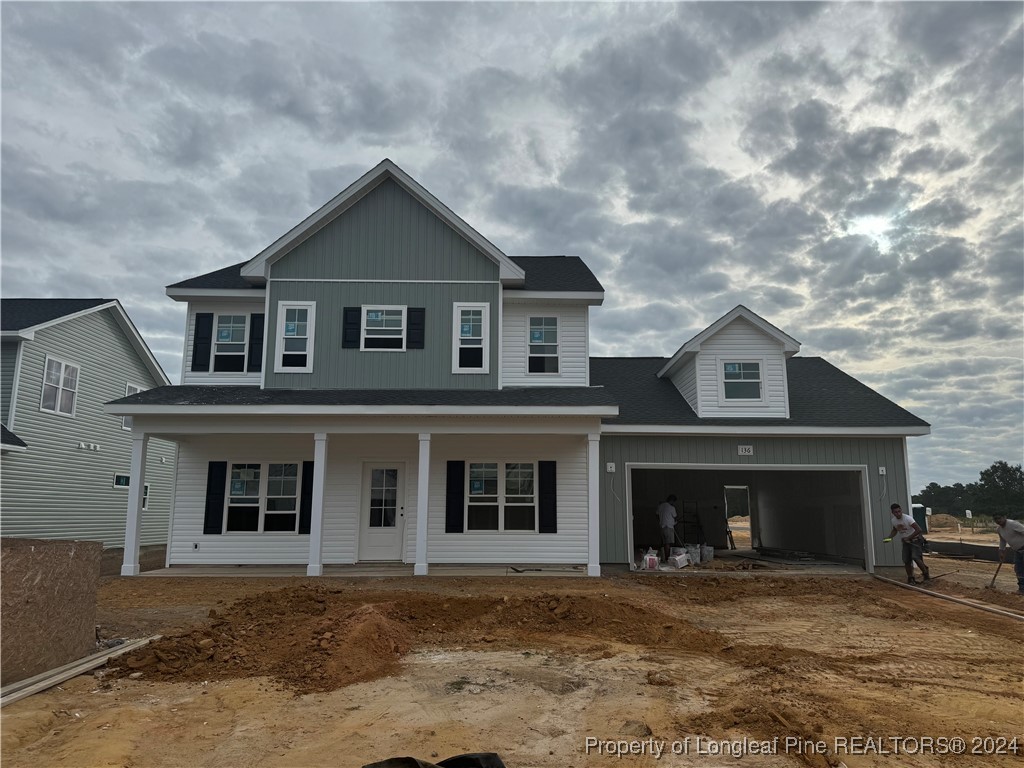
point(721, 362)
point(244, 354)
point(378, 307)
point(64, 364)
point(557, 344)
point(126, 421)
point(501, 498)
point(282, 306)
point(264, 486)
point(485, 329)
point(145, 487)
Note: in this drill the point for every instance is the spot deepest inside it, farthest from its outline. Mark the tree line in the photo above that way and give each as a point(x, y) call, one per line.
point(999, 490)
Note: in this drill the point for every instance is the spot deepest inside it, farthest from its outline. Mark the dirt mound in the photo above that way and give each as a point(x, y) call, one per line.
point(945, 522)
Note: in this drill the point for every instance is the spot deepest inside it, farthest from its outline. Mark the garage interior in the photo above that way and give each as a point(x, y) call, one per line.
point(793, 513)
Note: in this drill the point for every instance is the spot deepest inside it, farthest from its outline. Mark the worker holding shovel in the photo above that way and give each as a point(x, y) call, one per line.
point(913, 542)
point(1011, 536)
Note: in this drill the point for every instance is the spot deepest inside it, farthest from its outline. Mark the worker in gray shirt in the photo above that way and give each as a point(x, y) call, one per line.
point(667, 520)
point(1011, 535)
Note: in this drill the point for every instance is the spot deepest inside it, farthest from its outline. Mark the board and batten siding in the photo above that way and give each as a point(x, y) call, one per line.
point(796, 452)
point(387, 235)
point(338, 368)
point(59, 490)
point(344, 505)
point(573, 350)
point(246, 308)
point(740, 340)
point(8, 363)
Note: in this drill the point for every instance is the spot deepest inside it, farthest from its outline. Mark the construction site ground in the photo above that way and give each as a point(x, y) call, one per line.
point(344, 671)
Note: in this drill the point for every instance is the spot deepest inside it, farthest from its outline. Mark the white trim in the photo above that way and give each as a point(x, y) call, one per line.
point(174, 501)
point(591, 298)
point(558, 345)
point(746, 402)
point(316, 518)
point(117, 487)
point(17, 335)
point(485, 329)
point(658, 429)
point(368, 410)
point(60, 387)
point(282, 307)
point(138, 388)
point(13, 448)
point(363, 309)
point(228, 294)
point(363, 509)
point(15, 386)
point(133, 517)
point(264, 358)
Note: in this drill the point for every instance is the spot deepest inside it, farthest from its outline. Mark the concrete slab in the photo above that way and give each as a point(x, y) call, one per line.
point(359, 570)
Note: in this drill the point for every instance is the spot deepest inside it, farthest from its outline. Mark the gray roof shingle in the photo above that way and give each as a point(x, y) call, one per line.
point(19, 314)
point(228, 278)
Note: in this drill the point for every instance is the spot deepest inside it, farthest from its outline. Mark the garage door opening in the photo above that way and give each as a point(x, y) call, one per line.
point(794, 513)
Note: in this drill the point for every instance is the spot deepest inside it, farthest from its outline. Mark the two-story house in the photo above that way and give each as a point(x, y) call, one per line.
point(64, 463)
point(382, 383)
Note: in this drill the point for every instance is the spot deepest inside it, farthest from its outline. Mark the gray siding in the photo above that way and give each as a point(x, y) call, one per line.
point(8, 360)
point(387, 235)
point(56, 489)
point(337, 368)
point(792, 451)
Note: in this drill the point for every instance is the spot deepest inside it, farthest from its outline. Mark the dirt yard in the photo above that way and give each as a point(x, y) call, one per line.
point(342, 672)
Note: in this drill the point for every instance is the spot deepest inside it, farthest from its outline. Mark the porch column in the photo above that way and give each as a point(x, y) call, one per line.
point(422, 498)
point(133, 520)
point(594, 504)
point(316, 519)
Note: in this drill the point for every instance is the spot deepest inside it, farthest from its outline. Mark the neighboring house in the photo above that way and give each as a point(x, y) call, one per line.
point(65, 465)
point(383, 384)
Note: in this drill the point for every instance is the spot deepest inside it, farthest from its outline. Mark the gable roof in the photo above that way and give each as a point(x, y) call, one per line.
point(228, 278)
point(22, 318)
point(790, 346)
point(820, 396)
point(258, 267)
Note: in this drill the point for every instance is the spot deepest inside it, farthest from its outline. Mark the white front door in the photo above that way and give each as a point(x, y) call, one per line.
point(383, 513)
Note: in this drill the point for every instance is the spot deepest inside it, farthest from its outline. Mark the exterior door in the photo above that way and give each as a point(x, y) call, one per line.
point(383, 513)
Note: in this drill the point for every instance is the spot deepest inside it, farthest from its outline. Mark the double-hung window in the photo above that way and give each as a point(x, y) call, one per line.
point(263, 498)
point(229, 343)
point(469, 345)
point(60, 387)
point(383, 328)
point(295, 325)
point(129, 389)
point(741, 380)
point(501, 496)
point(543, 345)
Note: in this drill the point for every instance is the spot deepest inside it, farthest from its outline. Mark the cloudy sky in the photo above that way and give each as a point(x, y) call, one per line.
point(851, 172)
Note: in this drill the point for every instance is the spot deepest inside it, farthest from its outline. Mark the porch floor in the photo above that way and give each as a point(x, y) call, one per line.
point(367, 570)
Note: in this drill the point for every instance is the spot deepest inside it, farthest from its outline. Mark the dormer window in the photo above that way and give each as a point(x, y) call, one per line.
point(741, 380)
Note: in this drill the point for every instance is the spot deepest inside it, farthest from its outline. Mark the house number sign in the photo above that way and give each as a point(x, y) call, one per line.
point(745, 450)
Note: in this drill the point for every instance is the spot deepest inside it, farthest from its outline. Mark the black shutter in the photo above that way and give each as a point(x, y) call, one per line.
point(350, 326)
point(255, 343)
point(417, 319)
point(216, 479)
point(202, 341)
point(547, 486)
point(455, 506)
point(306, 501)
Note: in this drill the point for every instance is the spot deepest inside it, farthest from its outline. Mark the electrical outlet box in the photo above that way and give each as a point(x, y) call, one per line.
point(609, 466)
point(881, 470)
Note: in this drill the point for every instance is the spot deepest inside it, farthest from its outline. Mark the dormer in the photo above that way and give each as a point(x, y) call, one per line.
point(734, 368)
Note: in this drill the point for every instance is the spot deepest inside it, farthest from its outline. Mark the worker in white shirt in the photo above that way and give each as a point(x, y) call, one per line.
point(913, 540)
point(1011, 536)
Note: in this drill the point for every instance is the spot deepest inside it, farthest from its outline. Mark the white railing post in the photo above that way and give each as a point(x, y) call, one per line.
point(422, 505)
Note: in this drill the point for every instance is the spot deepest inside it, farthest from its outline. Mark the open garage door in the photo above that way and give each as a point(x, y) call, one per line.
point(820, 512)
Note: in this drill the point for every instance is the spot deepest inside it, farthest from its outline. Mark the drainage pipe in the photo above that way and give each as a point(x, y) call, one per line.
point(958, 600)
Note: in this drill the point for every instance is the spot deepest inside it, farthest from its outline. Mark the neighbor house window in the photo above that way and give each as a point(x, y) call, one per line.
point(501, 497)
point(469, 346)
point(741, 380)
point(125, 482)
point(229, 343)
point(263, 498)
point(295, 324)
point(129, 389)
point(383, 328)
point(543, 345)
point(60, 387)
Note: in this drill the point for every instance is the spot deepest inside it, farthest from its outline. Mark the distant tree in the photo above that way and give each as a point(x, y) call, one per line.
point(999, 490)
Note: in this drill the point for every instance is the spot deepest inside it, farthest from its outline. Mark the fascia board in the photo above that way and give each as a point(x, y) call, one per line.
point(357, 410)
point(236, 294)
point(755, 431)
point(591, 298)
point(25, 335)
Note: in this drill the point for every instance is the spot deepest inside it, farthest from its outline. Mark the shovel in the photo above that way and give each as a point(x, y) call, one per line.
point(993, 584)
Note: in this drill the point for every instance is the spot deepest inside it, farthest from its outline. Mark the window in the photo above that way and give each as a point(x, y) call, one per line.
point(509, 505)
point(125, 482)
point(229, 343)
point(295, 337)
point(263, 498)
point(383, 498)
point(741, 380)
point(60, 387)
point(384, 328)
point(469, 345)
point(129, 389)
point(543, 355)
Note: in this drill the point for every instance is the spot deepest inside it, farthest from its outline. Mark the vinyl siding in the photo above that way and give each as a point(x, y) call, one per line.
point(216, 308)
point(790, 451)
point(572, 338)
point(8, 363)
point(387, 235)
point(56, 489)
point(742, 341)
point(337, 368)
point(685, 380)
